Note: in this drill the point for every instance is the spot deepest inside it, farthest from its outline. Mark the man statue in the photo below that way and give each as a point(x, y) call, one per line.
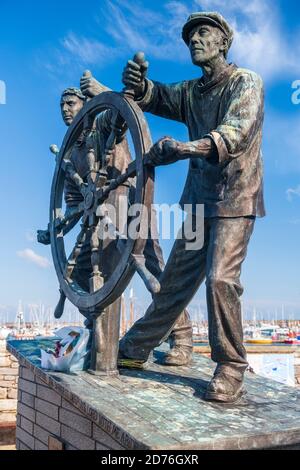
point(72, 101)
point(223, 111)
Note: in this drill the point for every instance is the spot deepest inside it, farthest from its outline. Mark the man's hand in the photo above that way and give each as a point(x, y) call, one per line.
point(43, 236)
point(164, 152)
point(90, 87)
point(134, 75)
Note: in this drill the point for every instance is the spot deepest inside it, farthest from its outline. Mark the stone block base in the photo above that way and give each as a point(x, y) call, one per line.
point(46, 421)
point(159, 408)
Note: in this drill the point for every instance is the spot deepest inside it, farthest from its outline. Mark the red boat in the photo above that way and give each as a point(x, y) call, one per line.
point(292, 341)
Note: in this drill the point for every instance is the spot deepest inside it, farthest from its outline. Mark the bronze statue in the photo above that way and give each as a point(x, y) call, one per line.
point(223, 111)
point(72, 101)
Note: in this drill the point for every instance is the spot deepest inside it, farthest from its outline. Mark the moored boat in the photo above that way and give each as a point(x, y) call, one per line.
point(292, 341)
point(259, 340)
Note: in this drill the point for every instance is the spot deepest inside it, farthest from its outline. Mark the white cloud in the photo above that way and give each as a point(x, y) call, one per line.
point(260, 43)
point(87, 51)
point(72, 55)
point(139, 28)
point(291, 192)
point(34, 258)
point(251, 7)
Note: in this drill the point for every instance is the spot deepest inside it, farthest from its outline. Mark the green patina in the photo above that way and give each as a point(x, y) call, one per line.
point(163, 407)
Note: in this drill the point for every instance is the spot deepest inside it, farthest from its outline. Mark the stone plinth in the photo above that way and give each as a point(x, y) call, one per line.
point(158, 408)
point(8, 388)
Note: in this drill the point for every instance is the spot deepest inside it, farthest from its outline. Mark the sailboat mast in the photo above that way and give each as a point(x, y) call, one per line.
point(123, 316)
point(131, 311)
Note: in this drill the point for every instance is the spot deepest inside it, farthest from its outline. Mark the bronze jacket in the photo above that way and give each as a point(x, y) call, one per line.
point(230, 110)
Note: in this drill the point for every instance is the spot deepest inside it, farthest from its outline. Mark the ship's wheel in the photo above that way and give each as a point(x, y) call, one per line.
point(100, 290)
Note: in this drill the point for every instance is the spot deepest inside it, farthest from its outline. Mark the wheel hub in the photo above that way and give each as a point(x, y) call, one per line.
point(89, 200)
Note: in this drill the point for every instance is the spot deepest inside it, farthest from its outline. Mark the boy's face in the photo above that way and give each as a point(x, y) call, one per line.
point(70, 105)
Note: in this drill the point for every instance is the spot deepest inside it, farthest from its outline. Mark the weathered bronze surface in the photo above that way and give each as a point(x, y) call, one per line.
point(223, 111)
point(96, 272)
point(94, 167)
point(163, 407)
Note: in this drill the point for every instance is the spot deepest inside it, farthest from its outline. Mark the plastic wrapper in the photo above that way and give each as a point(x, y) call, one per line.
point(71, 353)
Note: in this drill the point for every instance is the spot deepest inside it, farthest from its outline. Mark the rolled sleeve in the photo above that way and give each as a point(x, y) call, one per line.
point(146, 99)
point(219, 142)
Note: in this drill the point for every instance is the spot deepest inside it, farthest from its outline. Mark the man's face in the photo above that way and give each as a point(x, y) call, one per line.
point(70, 105)
point(206, 43)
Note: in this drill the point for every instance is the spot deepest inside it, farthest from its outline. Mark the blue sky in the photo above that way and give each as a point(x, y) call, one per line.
point(46, 46)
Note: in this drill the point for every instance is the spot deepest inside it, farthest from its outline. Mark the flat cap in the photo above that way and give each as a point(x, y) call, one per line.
point(209, 17)
point(73, 91)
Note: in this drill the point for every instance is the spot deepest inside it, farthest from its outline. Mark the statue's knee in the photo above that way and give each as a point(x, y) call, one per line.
point(216, 282)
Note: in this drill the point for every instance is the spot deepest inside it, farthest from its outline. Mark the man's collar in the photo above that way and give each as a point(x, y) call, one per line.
point(220, 78)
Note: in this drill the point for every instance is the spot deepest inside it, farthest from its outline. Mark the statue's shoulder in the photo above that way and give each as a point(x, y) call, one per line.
point(241, 73)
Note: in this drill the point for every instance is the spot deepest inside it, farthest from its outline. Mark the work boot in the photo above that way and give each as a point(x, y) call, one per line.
point(226, 385)
point(181, 342)
point(128, 363)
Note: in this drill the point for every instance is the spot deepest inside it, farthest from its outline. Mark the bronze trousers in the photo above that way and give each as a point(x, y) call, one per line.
point(182, 329)
point(219, 261)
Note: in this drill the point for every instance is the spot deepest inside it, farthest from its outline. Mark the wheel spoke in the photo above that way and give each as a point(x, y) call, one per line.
point(65, 223)
point(96, 279)
point(85, 219)
point(72, 260)
point(73, 175)
point(102, 195)
point(118, 129)
point(62, 222)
